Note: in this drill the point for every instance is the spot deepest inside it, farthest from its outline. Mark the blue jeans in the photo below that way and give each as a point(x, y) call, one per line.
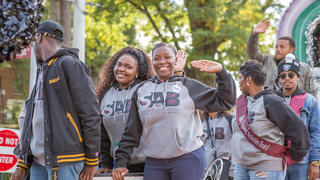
point(189, 166)
point(70, 171)
point(297, 171)
point(241, 173)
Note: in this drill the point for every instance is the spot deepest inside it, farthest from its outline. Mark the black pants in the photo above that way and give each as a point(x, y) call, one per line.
point(136, 168)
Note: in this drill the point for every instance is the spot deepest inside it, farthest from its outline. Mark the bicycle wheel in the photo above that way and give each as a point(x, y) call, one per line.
point(214, 170)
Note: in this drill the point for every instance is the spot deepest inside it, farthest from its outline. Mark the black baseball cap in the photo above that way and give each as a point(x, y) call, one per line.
point(289, 63)
point(54, 29)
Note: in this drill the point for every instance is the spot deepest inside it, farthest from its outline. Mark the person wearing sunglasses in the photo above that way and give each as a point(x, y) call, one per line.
point(306, 106)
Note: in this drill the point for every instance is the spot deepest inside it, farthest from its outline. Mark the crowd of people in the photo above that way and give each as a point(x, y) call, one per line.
point(144, 115)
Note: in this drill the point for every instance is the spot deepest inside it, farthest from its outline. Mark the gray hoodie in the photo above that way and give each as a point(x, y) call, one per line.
point(165, 114)
point(115, 106)
point(273, 120)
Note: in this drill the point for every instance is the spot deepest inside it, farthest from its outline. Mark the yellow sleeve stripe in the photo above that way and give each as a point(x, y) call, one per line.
point(70, 156)
point(71, 160)
point(91, 163)
point(22, 165)
point(87, 159)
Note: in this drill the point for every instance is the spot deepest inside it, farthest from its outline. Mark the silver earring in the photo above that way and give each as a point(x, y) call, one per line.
point(136, 76)
point(248, 84)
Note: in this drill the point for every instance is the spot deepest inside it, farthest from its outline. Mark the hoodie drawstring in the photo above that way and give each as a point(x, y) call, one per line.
point(115, 106)
point(124, 104)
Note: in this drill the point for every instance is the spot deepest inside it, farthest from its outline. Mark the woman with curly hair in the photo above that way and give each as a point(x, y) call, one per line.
point(118, 80)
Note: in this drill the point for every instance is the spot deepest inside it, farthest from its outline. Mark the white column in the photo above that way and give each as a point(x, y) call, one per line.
point(33, 71)
point(79, 27)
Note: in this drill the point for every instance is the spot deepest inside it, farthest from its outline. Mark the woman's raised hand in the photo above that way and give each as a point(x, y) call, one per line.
point(207, 66)
point(181, 59)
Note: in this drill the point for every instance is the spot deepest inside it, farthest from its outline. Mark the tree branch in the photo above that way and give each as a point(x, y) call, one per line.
point(266, 5)
point(147, 13)
point(169, 26)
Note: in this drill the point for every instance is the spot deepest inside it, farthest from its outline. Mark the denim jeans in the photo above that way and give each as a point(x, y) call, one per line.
point(241, 173)
point(297, 171)
point(70, 171)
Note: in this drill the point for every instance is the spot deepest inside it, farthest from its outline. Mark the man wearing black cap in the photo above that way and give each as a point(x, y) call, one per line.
point(306, 106)
point(60, 123)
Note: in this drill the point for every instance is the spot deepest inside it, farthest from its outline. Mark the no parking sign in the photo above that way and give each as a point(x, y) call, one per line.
point(9, 139)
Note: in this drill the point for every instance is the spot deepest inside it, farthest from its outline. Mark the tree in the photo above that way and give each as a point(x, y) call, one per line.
point(208, 29)
point(60, 11)
point(220, 28)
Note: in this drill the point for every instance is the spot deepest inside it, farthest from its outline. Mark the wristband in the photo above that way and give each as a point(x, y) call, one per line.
point(183, 74)
point(316, 163)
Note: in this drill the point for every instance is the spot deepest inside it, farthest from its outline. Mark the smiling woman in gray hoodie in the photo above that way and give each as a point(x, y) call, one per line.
point(164, 112)
point(119, 78)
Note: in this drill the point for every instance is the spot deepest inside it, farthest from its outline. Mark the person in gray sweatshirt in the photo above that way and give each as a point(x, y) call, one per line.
point(263, 122)
point(164, 112)
point(119, 77)
point(118, 80)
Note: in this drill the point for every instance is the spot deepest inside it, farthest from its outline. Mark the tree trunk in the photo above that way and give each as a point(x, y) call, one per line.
point(203, 42)
point(60, 11)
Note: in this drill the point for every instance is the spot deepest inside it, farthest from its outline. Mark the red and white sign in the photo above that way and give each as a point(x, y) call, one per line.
point(9, 139)
point(7, 162)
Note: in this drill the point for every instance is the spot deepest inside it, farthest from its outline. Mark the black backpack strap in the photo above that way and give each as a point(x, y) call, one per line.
point(210, 134)
point(229, 118)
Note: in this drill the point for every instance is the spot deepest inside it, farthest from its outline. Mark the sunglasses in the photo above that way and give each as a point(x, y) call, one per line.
point(283, 76)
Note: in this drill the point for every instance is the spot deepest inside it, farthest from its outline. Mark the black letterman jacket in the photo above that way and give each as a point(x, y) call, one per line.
point(71, 114)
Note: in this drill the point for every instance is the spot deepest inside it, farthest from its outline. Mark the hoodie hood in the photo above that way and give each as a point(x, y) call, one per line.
point(268, 91)
point(66, 51)
point(298, 91)
point(62, 52)
point(171, 79)
point(116, 84)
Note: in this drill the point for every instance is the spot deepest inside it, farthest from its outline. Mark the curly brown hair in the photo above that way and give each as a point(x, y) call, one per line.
point(107, 78)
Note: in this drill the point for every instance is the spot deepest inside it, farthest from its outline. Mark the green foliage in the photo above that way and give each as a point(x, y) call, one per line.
point(107, 33)
point(13, 110)
point(216, 30)
point(21, 67)
point(220, 28)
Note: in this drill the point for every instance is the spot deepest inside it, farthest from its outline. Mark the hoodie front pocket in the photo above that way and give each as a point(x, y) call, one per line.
point(75, 126)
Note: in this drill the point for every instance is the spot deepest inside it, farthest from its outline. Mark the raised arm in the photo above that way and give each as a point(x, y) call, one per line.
point(253, 51)
point(211, 99)
point(180, 62)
